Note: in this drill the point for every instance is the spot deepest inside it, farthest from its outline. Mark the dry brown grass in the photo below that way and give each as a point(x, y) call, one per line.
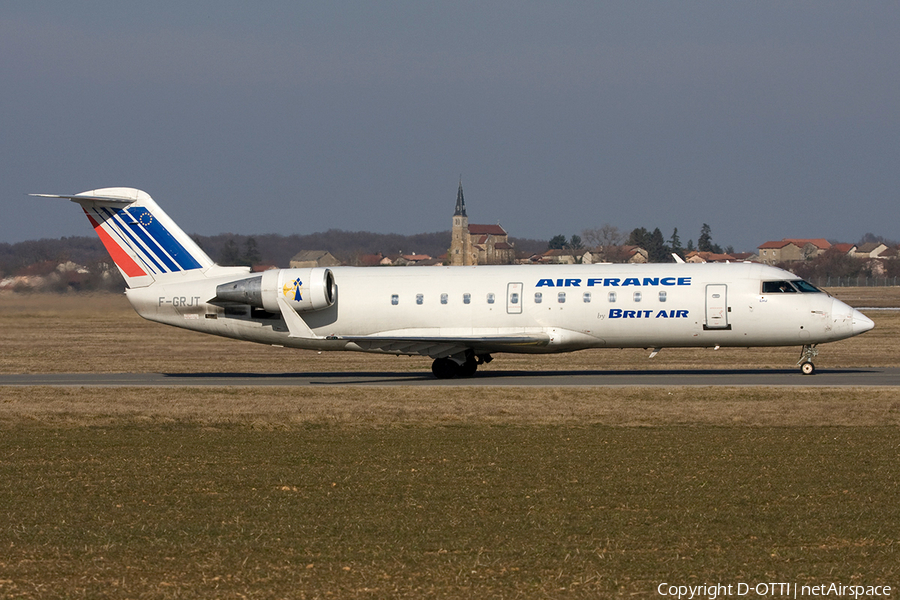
point(412, 492)
point(47, 333)
point(450, 512)
point(868, 296)
point(282, 408)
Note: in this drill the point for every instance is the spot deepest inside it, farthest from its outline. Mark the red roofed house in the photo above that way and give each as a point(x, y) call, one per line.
point(845, 248)
point(412, 259)
point(772, 253)
point(791, 250)
point(696, 256)
point(811, 248)
point(372, 260)
point(477, 244)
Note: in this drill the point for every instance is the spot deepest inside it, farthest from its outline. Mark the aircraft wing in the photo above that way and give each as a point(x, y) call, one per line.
point(440, 347)
point(433, 346)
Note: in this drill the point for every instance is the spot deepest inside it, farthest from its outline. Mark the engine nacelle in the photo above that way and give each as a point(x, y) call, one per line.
point(304, 289)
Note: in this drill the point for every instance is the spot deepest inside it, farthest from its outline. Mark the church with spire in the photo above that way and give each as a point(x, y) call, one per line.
point(477, 244)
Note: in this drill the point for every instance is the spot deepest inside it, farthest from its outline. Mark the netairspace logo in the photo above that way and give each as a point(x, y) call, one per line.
point(772, 590)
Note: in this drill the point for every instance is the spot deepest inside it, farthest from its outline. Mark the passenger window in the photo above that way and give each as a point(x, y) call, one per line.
point(395, 299)
point(637, 296)
point(538, 297)
point(420, 299)
point(514, 298)
point(444, 298)
point(586, 297)
point(662, 296)
point(490, 298)
point(612, 296)
point(561, 298)
point(467, 298)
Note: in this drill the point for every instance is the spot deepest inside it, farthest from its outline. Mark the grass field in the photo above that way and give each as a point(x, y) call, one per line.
point(435, 492)
point(475, 511)
point(45, 333)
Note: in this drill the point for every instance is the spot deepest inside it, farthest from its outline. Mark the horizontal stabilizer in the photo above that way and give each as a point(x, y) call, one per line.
point(81, 198)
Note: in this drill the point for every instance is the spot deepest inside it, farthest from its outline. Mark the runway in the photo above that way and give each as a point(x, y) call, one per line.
point(846, 377)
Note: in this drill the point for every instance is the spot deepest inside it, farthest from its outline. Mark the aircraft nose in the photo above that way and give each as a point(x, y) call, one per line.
point(860, 323)
point(848, 321)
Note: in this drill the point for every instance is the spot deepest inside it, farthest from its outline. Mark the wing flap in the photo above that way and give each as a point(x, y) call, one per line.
point(440, 347)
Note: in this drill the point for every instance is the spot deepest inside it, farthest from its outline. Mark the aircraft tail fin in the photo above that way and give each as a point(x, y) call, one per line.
point(143, 241)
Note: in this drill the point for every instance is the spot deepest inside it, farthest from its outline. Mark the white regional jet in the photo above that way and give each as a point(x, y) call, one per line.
point(460, 316)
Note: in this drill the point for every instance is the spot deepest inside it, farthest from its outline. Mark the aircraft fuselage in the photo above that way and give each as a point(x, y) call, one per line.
point(574, 306)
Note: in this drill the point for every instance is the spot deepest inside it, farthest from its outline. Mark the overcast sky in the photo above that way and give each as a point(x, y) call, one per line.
point(763, 119)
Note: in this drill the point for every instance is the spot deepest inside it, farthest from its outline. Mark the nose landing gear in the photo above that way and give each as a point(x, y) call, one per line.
point(807, 354)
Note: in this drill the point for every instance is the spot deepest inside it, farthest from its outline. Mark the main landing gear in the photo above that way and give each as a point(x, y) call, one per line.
point(807, 354)
point(458, 366)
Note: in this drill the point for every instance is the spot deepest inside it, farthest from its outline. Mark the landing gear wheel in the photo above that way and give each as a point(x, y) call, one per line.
point(807, 354)
point(445, 368)
point(448, 368)
point(468, 368)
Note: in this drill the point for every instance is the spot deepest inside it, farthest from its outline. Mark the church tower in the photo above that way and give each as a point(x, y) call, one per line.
point(460, 253)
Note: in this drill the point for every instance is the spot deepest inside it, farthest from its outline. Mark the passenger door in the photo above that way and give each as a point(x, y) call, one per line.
point(717, 307)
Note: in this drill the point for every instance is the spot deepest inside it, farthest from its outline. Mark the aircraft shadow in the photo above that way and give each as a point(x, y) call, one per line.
point(593, 372)
point(367, 377)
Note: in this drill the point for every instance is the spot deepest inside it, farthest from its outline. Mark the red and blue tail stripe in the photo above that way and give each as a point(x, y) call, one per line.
point(146, 245)
point(135, 228)
point(119, 256)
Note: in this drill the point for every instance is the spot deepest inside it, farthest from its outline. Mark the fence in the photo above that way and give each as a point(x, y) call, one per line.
point(859, 281)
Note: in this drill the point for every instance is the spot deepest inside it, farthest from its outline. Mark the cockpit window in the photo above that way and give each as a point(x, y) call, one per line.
point(778, 287)
point(788, 287)
point(805, 286)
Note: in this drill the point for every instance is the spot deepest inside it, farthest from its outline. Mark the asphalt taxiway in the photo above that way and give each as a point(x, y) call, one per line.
point(846, 377)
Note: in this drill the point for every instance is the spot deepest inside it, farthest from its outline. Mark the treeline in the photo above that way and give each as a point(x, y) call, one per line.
point(277, 250)
point(42, 258)
point(347, 246)
point(83, 250)
point(227, 249)
point(230, 249)
point(835, 264)
point(659, 249)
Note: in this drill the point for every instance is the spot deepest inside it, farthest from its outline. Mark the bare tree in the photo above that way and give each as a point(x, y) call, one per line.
point(605, 235)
